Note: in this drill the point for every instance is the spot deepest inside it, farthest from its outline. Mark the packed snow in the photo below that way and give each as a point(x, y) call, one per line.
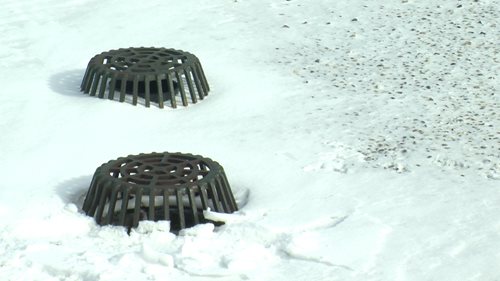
point(361, 139)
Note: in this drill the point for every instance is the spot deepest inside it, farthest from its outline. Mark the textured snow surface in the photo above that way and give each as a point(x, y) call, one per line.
point(361, 139)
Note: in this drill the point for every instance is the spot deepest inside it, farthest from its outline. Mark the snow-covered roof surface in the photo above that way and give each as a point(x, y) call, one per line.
point(361, 139)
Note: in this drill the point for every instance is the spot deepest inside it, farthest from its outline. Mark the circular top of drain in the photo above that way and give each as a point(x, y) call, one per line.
point(143, 60)
point(170, 170)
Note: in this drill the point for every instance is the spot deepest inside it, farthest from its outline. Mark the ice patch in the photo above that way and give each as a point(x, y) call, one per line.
point(353, 245)
point(66, 223)
point(340, 159)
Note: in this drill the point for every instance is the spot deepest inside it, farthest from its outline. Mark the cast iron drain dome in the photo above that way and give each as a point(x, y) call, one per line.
point(154, 74)
point(158, 186)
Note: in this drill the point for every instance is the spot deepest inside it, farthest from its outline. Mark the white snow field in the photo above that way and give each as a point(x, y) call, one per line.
point(361, 139)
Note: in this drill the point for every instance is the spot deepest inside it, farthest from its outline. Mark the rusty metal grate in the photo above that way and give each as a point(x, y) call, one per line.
point(158, 186)
point(157, 75)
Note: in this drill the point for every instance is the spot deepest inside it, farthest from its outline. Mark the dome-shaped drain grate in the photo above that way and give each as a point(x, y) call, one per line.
point(156, 75)
point(158, 186)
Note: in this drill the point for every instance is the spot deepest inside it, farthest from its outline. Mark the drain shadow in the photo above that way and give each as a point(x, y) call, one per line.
point(67, 83)
point(241, 195)
point(74, 190)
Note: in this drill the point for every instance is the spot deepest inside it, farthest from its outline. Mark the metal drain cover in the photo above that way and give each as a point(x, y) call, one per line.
point(158, 186)
point(156, 75)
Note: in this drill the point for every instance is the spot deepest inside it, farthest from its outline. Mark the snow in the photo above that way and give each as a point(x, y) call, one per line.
point(361, 139)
